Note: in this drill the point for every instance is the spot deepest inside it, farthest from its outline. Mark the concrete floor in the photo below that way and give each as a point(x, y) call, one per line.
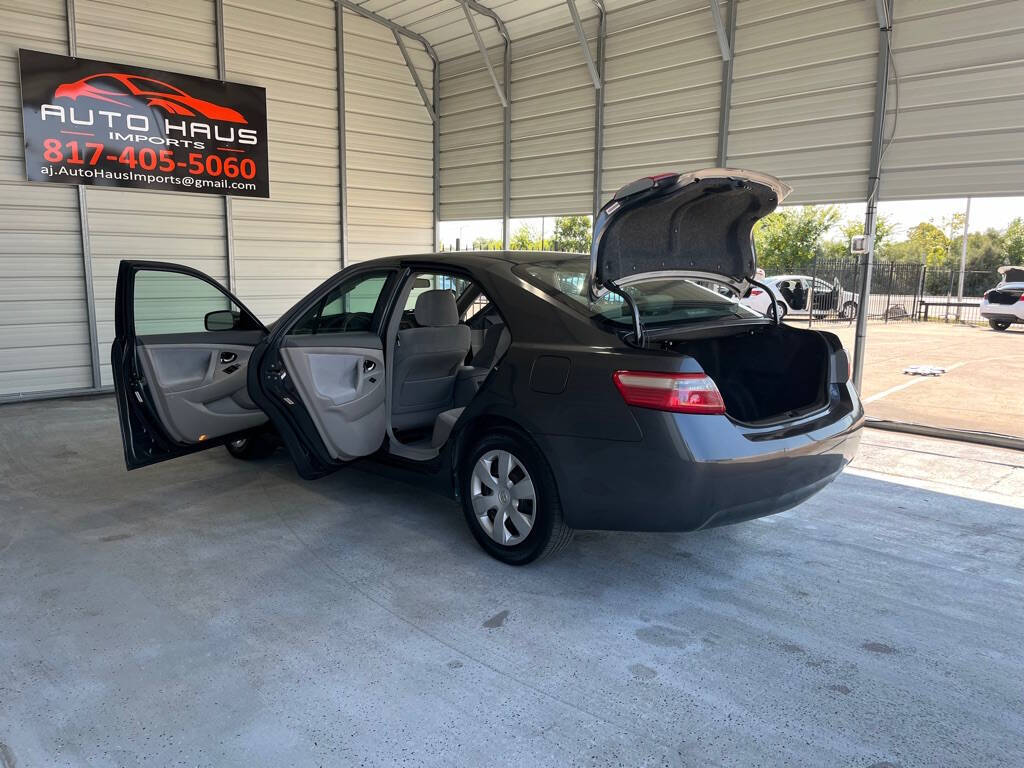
point(210, 612)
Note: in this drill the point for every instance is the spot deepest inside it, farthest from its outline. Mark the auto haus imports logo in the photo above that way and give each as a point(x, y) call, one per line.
point(90, 122)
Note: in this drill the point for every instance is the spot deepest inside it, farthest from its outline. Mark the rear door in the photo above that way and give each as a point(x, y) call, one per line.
point(179, 359)
point(321, 375)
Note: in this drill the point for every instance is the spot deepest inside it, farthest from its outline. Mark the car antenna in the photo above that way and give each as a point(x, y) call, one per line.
point(638, 327)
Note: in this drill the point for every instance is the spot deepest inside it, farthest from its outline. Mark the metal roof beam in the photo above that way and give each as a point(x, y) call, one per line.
point(394, 27)
point(483, 52)
point(599, 111)
point(725, 104)
point(723, 36)
point(431, 109)
point(594, 75)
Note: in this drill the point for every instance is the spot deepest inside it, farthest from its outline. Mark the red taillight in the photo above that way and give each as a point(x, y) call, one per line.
point(679, 392)
point(756, 291)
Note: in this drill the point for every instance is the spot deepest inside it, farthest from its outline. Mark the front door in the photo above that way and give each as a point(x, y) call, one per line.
point(180, 358)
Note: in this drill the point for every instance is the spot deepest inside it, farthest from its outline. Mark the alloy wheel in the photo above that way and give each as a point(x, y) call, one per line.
point(503, 496)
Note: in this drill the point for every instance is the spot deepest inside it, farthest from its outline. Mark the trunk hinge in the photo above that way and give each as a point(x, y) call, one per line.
point(638, 326)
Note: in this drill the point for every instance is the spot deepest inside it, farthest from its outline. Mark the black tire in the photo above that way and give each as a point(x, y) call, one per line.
point(259, 444)
point(782, 311)
point(849, 311)
point(549, 533)
point(998, 325)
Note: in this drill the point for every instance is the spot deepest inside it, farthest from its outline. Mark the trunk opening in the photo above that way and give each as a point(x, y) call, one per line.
point(771, 373)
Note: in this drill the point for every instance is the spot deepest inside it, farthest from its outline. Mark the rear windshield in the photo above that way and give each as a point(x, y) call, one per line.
point(661, 302)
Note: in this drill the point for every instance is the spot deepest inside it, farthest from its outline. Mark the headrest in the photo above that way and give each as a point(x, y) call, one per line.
point(436, 308)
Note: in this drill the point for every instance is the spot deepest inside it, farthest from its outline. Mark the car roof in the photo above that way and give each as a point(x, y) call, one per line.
point(477, 259)
point(1015, 284)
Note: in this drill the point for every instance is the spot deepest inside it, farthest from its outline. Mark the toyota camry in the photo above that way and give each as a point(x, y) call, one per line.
point(627, 389)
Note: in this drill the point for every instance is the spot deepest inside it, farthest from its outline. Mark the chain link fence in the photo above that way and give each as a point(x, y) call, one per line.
point(829, 292)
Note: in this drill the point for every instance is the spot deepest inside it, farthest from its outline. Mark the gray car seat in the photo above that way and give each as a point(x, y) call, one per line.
point(427, 360)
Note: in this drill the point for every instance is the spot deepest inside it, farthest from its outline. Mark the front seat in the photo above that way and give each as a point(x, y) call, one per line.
point(427, 360)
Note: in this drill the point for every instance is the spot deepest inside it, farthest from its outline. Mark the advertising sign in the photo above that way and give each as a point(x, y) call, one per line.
point(112, 125)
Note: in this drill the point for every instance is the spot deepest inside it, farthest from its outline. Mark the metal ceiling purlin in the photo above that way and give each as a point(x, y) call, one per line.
point(599, 111)
point(432, 108)
point(503, 95)
point(885, 9)
point(725, 105)
point(583, 43)
point(83, 223)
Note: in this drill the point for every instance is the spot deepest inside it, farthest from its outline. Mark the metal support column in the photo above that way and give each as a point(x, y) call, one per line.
point(602, 31)
point(339, 27)
point(726, 98)
point(963, 261)
point(874, 177)
point(229, 225)
point(83, 224)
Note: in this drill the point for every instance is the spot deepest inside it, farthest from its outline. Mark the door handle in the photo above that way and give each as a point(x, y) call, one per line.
point(368, 366)
point(228, 357)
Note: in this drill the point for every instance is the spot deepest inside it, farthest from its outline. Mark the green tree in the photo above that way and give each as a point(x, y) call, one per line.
point(789, 239)
point(525, 239)
point(927, 244)
point(486, 244)
point(1013, 242)
point(572, 234)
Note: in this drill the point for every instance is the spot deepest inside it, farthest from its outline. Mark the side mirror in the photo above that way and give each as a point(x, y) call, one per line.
point(221, 320)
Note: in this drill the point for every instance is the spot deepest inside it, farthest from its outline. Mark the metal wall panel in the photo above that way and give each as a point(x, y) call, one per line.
point(961, 99)
point(389, 144)
point(471, 137)
point(44, 335)
point(663, 71)
point(803, 94)
point(553, 100)
point(124, 224)
point(287, 245)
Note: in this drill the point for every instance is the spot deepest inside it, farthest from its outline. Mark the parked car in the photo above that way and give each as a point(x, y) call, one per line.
point(797, 294)
point(549, 391)
point(1003, 305)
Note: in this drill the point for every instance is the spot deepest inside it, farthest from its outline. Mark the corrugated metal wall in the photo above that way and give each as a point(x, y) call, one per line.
point(961, 100)
point(663, 75)
point(126, 224)
point(389, 144)
point(803, 95)
point(471, 136)
point(287, 245)
point(44, 336)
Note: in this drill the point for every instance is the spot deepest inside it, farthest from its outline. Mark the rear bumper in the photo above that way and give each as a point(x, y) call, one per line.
point(1008, 313)
point(697, 471)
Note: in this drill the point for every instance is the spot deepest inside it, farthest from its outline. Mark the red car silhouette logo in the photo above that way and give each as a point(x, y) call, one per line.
point(115, 87)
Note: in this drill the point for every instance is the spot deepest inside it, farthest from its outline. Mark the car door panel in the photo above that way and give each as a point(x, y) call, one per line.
point(340, 378)
point(200, 389)
point(185, 389)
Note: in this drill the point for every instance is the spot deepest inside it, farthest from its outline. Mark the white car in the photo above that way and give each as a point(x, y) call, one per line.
point(795, 297)
point(1003, 305)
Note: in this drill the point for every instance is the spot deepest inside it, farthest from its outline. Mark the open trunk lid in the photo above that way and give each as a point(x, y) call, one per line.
point(697, 225)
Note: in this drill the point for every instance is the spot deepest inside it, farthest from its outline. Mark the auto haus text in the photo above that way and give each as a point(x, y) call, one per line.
point(135, 128)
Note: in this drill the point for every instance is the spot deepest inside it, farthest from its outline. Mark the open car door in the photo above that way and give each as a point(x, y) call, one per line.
point(321, 374)
point(180, 358)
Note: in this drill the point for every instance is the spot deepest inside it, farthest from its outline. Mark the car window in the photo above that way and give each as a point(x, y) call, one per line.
point(173, 302)
point(347, 307)
point(660, 302)
point(433, 282)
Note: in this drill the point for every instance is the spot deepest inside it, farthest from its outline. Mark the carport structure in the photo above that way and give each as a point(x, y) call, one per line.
point(388, 116)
